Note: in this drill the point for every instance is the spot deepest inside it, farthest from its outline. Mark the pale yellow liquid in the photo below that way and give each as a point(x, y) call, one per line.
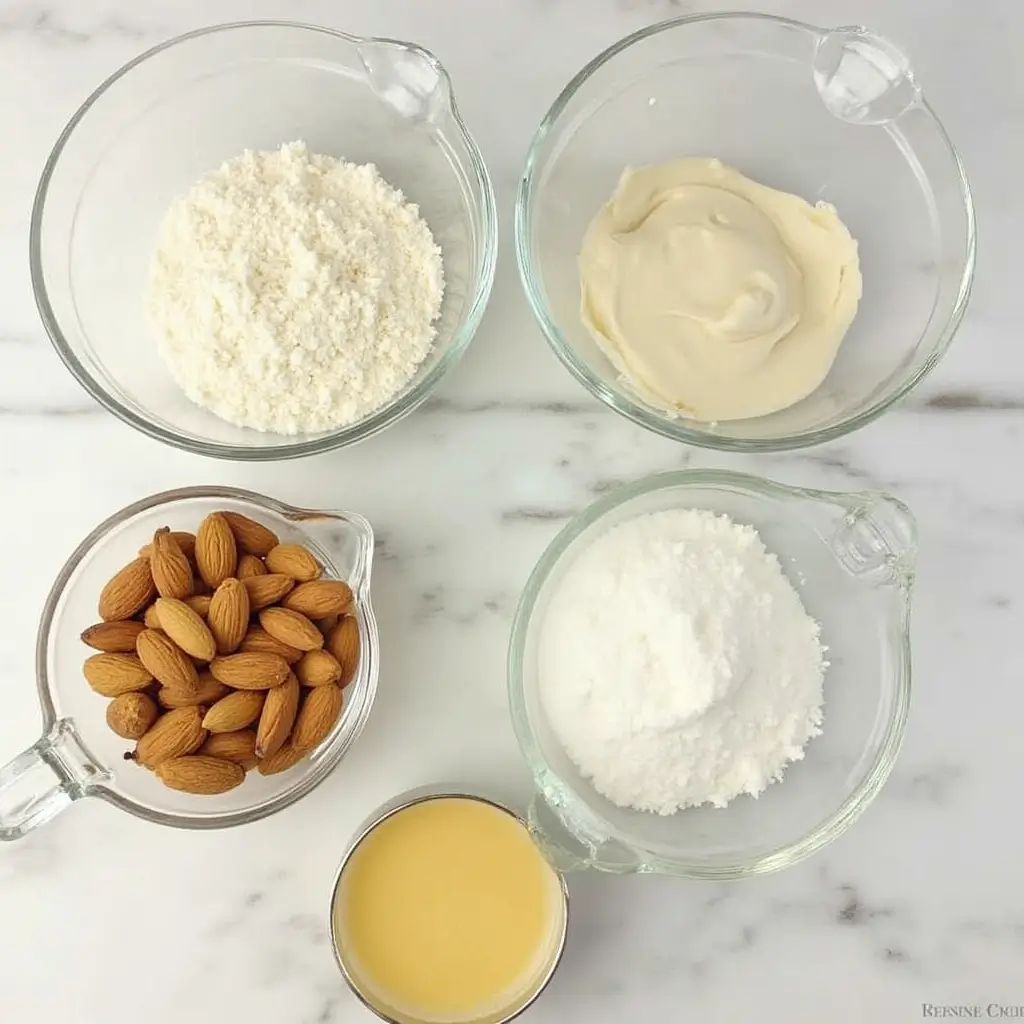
point(447, 911)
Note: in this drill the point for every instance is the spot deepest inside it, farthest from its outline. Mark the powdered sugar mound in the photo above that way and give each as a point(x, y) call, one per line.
point(677, 665)
point(294, 292)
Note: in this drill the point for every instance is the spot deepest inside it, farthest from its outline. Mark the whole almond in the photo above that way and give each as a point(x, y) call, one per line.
point(113, 674)
point(185, 540)
point(216, 553)
point(257, 640)
point(200, 604)
point(291, 628)
point(209, 692)
point(250, 565)
point(132, 714)
point(316, 717)
point(343, 643)
point(235, 711)
point(150, 619)
point(287, 757)
point(174, 734)
point(166, 661)
point(172, 572)
point(200, 774)
point(239, 746)
point(267, 590)
point(318, 668)
point(186, 628)
point(229, 615)
point(113, 637)
point(319, 598)
point(277, 717)
point(295, 561)
point(250, 670)
point(252, 538)
point(127, 592)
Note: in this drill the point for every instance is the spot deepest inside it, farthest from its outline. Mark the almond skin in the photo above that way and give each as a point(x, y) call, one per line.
point(185, 540)
point(257, 640)
point(186, 628)
point(229, 615)
point(295, 561)
point(200, 604)
point(174, 734)
point(239, 747)
point(251, 537)
point(319, 598)
point(151, 620)
point(235, 711)
point(287, 757)
point(209, 692)
point(200, 774)
point(291, 628)
point(343, 643)
point(113, 637)
point(250, 670)
point(318, 668)
point(250, 565)
point(172, 572)
point(110, 675)
point(316, 717)
point(277, 717)
point(166, 662)
point(127, 592)
point(132, 715)
point(216, 553)
point(267, 590)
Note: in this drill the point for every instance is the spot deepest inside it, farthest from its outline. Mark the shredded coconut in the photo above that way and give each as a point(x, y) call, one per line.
point(294, 292)
point(677, 665)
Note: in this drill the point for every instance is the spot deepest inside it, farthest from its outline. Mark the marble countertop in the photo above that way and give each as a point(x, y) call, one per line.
point(107, 918)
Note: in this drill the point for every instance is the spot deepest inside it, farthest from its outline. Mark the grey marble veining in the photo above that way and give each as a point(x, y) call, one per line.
point(921, 902)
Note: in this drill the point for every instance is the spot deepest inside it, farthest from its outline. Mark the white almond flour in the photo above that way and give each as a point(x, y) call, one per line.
point(294, 292)
point(677, 665)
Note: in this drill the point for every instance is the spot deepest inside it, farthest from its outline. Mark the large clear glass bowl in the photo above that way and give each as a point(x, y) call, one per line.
point(829, 115)
point(163, 120)
point(851, 559)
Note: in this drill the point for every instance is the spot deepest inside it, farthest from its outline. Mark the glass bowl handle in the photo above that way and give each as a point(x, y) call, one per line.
point(40, 782)
point(572, 844)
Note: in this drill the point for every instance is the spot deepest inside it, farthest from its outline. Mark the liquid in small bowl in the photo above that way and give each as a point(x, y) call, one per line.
point(446, 911)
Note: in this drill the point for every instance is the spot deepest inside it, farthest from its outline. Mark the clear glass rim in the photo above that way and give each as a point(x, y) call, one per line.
point(642, 414)
point(322, 768)
point(402, 802)
point(855, 803)
point(378, 421)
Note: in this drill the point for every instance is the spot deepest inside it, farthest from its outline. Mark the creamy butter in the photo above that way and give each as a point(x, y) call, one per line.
point(717, 298)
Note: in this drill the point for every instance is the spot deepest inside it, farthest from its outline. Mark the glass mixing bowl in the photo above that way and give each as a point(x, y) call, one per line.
point(851, 558)
point(79, 756)
point(828, 115)
point(179, 110)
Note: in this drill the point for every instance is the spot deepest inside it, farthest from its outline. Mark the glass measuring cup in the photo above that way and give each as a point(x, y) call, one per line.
point(78, 755)
point(850, 556)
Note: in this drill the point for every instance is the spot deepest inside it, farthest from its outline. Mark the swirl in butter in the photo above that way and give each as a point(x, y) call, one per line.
point(716, 297)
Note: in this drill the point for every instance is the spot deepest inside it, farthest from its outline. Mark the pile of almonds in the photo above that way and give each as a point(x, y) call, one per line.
point(222, 651)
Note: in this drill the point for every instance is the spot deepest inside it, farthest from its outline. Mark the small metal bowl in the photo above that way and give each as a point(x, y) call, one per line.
point(403, 802)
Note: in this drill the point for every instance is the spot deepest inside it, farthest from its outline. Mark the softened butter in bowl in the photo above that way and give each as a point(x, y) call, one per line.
point(446, 911)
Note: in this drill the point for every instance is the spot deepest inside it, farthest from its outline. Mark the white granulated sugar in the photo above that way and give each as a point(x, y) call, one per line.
point(294, 292)
point(677, 665)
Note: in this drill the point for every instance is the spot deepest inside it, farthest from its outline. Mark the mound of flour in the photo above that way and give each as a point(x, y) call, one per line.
point(294, 292)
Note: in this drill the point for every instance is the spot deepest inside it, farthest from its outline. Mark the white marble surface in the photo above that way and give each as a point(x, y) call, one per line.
point(107, 918)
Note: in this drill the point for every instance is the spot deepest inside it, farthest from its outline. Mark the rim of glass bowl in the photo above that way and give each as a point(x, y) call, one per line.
point(855, 803)
point(641, 414)
point(374, 423)
point(304, 784)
